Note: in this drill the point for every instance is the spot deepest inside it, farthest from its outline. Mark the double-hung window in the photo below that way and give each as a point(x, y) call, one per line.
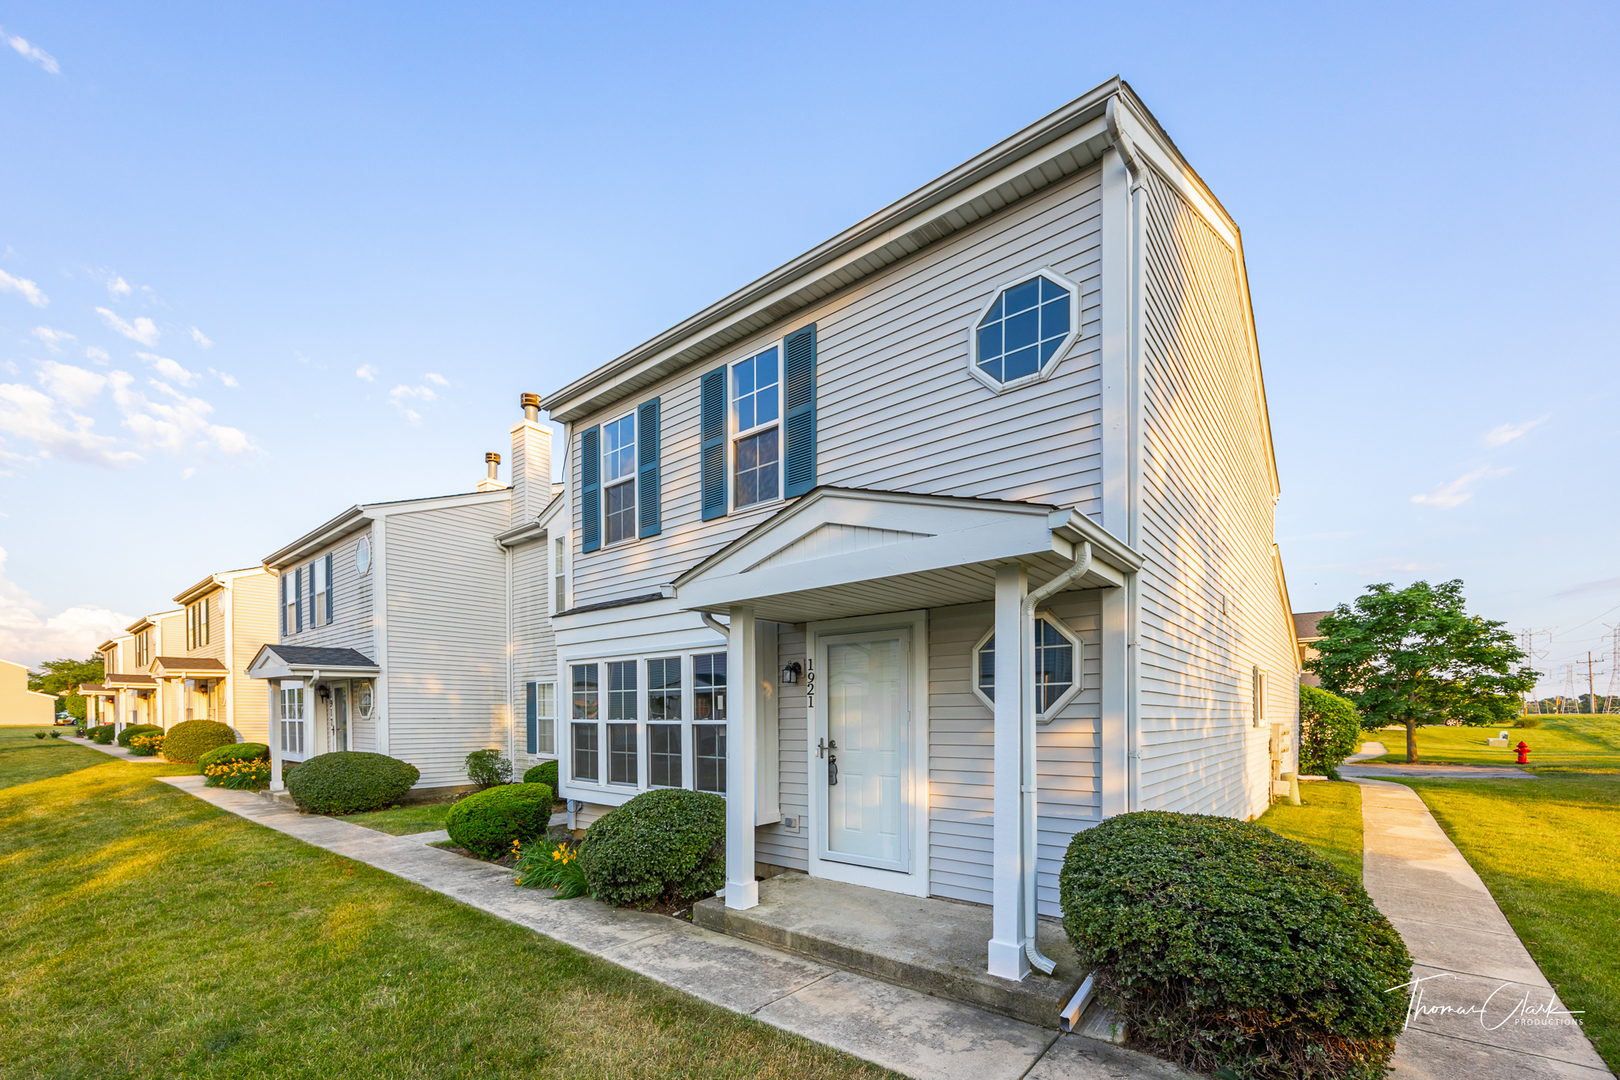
point(583, 709)
point(664, 722)
point(290, 621)
point(540, 707)
point(709, 722)
point(621, 727)
point(619, 477)
point(197, 624)
point(292, 718)
point(320, 572)
point(559, 575)
point(757, 438)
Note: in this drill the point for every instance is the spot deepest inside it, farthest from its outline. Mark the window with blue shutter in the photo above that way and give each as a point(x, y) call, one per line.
point(313, 622)
point(298, 599)
point(590, 490)
point(712, 451)
point(799, 411)
point(647, 469)
point(534, 717)
point(283, 583)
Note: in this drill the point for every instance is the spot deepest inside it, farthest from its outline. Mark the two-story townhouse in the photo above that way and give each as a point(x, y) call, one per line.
point(227, 618)
point(102, 699)
point(407, 628)
point(129, 691)
point(945, 540)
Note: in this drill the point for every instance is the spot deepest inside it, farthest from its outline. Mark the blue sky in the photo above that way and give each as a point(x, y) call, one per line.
point(262, 264)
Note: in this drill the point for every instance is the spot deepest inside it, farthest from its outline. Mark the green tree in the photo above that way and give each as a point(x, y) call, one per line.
point(1415, 656)
point(62, 678)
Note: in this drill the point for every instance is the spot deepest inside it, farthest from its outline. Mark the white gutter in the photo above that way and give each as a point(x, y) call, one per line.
point(1027, 790)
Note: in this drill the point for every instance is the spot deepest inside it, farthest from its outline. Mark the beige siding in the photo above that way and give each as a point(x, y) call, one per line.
point(215, 649)
point(534, 649)
point(892, 373)
point(446, 664)
point(169, 639)
point(1210, 605)
point(20, 705)
point(255, 624)
point(961, 759)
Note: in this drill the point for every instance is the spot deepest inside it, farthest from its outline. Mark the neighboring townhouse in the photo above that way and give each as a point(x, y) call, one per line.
point(1021, 405)
point(227, 618)
point(129, 693)
point(414, 628)
point(20, 705)
point(1307, 634)
point(102, 700)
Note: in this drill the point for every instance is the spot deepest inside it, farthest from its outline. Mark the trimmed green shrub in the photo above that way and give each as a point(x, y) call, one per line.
point(1528, 720)
point(227, 766)
point(543, 773)
point(192, 739)
point(242, 751)
point(486, 822)
point(349, 781)
point(137, 729)
point(1222, 945)
point(56, 734)
point(664, 846)
point(1329, 731)
point(486, 768)
point(103, 734)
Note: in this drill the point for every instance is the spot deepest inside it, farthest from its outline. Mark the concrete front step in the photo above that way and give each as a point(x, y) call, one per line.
point(938, 947)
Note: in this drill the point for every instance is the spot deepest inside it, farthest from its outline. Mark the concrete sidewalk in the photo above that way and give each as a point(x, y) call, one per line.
point(900, 1029)
point(122, 753)
point(1482, 1010)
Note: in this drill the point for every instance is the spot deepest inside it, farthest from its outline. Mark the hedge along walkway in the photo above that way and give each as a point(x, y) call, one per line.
point(1481, 1009)
point(900, 1029)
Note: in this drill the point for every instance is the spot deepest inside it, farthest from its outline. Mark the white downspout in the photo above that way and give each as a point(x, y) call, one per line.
point(715, 624)
point(1027, 791)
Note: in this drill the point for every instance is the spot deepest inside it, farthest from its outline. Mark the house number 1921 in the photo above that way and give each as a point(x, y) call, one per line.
point(810, 682)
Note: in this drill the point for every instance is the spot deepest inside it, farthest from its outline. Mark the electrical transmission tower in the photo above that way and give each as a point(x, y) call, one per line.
point(1527, 644)
point(1614, 665)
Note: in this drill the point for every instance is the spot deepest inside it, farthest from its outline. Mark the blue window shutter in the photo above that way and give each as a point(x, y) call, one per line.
point(590, 490)
point(298, 597)
point(330, 590)
point(312, 596)
point(534, 718)
point(647, 508)
point(712, 451)
point(799, 411)
point(283, 605)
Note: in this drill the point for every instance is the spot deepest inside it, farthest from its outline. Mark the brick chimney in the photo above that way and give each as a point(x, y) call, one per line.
point(531, 463)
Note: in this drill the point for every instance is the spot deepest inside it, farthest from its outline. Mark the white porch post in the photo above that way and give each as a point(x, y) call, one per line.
point(1007, 958)
point(273, 712)
point(742, 709)
point(1114, 745)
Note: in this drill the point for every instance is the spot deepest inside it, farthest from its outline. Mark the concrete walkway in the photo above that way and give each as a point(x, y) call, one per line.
point(122, 753)
point(1482, 1009)
point(900, 1029)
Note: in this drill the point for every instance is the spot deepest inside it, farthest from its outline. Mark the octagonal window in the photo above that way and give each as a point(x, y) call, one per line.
point(1023, 330)
point(1057, 664)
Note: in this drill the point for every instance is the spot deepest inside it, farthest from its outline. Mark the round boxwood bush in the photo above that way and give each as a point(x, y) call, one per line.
point(543, 773)
point(666, 846)
point(192, 739)
point(487, 822)
point(137, 729)
point(242, 751)
point(1222, 945)
point(349, 781)
point(1329, 731)
point(102, 733)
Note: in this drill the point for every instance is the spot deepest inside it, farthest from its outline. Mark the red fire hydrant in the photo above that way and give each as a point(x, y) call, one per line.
point(1524, 753)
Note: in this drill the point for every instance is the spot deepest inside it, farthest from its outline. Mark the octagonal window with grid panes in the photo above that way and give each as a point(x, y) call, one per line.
point(1024, 329)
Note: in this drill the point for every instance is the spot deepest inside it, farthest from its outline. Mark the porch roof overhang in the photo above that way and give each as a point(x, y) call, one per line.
point(842, 551)
point(119, 680)
point(308, 662)
point(91, 689)
point(174, 666)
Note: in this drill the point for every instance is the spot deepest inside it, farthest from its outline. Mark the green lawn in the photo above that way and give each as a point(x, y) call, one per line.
point(1561, 744)
point(404, 820)
point(1329, 821)
point(1546, 850)
point(145, 933)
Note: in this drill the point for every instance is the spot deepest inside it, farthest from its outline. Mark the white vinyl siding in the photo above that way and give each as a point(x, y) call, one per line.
point(1210, 605)
point(774, 844)
point(896, 406)
point(534, 648)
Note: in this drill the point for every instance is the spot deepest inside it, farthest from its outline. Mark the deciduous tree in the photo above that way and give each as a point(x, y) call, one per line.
point(62, 678)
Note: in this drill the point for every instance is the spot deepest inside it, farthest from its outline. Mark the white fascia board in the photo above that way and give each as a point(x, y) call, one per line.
point(647, 627)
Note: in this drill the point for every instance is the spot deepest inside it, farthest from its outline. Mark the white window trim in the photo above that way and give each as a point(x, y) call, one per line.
point(632, 478)
point(362, 565)
point(737, 434)
point(559, 573)
point(1258, 690)
point(1068, 695)
point(556, 687)
point(1045, 372)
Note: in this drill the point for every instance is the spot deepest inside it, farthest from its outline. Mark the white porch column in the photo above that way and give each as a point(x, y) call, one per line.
point(742, 751)
point(273, 712)
point(1007, 958)
point(1113, 742)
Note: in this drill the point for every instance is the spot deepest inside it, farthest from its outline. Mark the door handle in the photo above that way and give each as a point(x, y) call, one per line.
point(832, 769)
point(823, 745)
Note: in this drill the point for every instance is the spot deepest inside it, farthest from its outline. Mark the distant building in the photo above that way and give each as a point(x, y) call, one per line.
point(20, 705)
point(1306, 635)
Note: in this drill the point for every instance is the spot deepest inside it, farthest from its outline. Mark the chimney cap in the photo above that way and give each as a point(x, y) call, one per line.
point(492, 458)
point(530, 401)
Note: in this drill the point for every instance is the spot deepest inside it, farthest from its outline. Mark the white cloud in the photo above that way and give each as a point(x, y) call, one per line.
point(52, 338)
point(28, 289)
point(224, 377)
point(70, 385)
point(201, 338)
point(35, 53)
point(188, 473)
point(117, 286)
point(96, 353)
point(366, 372)
point(29, 636)
point(143, 330)
point(180, 425)
point(169, 369)
point(399, 395)
point(26, 413)
point(1454, 494)
point(440, 379)
point(1501, 436)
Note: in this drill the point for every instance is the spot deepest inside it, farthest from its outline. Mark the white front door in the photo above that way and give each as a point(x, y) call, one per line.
point(865, 680)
